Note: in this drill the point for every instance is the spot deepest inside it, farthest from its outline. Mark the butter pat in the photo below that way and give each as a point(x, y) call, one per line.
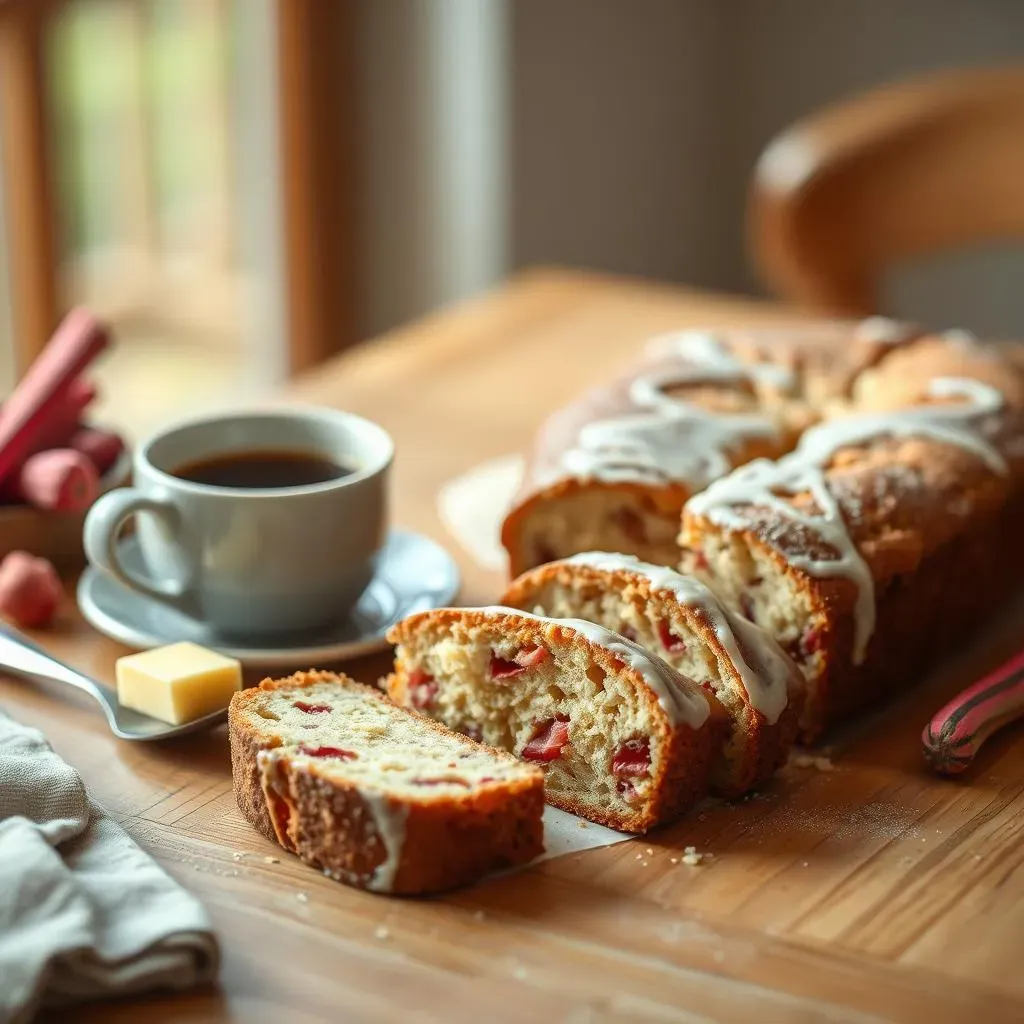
point(177, 683)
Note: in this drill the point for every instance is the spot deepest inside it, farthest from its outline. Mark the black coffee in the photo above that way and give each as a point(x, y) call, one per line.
point(262, 469)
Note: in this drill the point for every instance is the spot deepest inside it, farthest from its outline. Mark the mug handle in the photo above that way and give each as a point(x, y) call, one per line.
point(102, 526)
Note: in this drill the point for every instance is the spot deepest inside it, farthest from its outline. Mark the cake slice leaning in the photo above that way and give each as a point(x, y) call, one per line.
point(375, 795)
point(623, 738)
point(684, 622)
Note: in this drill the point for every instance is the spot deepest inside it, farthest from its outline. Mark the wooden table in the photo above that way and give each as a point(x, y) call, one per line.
point(872, 891)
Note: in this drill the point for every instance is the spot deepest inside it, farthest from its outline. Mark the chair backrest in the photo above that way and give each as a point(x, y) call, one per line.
point(932, 164)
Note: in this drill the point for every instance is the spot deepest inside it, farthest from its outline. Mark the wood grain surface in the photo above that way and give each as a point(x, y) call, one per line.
point(869, 891)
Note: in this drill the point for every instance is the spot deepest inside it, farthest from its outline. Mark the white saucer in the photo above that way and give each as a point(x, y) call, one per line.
point(413, 574)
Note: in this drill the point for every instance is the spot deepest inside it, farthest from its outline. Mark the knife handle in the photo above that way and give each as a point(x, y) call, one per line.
point(953, 737)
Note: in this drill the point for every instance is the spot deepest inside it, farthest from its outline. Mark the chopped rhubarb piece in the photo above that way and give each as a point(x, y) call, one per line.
point(474, 732)
point(747, 607)
point(311, 709)
point(700, 560)
point(502, 668)
point(811, 642)
point(422, 688)
point(631, 523)
point(633, 757)
point(529, 657)
point(669, 640)
point(345, 755)
point(548, 739)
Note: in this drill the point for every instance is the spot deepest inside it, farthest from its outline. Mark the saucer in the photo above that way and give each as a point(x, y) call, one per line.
point(413, 574)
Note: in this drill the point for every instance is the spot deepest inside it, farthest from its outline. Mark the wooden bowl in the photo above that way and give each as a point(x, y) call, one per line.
point(55, 535)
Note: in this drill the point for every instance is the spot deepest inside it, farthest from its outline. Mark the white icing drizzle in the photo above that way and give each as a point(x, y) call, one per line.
point(767, 680)
point(703, 349)
point(680, 698)
point(961, 338)
point(760, 482)
point(668, 439)
point(880, 330)
point(389, 821)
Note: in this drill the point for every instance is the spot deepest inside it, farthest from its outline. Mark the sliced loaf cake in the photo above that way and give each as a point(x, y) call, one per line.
point(684, 622)
point(623, 738)
point(374, 795)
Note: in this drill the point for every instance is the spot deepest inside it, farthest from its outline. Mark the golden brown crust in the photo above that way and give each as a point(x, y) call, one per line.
point(925, 516)
point(685, 766)
point(764, 745)
point(448, 841)
point(920, 617)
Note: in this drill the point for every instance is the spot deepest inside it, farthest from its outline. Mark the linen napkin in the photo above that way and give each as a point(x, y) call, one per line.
point(85, 914)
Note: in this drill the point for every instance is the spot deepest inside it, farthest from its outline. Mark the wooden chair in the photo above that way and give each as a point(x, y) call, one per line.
point(932, 164)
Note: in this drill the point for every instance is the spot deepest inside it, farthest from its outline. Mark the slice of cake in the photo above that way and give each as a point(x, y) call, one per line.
point(623, 738)
point(685, 623)
point(375, 795)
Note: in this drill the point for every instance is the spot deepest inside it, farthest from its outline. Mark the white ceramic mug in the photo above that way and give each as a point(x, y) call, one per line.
point(252, 561)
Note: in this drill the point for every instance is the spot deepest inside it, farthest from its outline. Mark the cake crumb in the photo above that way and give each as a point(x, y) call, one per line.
point(302, 897)
point(272, 860)
point(581, 824)
point(382, 933)
point(691, 858)
point(674, 860)
point(821, 764)
point(238, 856)
point(650, 852)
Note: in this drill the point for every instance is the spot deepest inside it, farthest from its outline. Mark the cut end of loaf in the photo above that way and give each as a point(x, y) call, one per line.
point(568, 518)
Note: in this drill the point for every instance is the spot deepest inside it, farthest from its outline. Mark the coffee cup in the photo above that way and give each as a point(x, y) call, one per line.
point(253, 522)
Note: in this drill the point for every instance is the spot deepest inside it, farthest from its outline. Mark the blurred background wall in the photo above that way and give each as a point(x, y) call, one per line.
point(488, 135)
point(635, 128)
